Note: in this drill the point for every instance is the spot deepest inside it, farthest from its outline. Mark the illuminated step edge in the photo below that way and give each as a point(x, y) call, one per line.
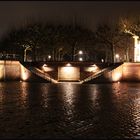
point(41, 74)
point(95, 75)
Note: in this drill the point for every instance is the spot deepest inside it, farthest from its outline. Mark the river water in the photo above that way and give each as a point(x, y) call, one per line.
point(69, 110)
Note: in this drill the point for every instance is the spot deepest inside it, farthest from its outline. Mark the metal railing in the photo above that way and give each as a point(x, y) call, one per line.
point(9, 56)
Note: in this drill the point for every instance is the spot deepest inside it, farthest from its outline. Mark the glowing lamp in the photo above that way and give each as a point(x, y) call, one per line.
point(117, 56)
point(80, 52)
point(116, 76)
point(68, 65)
point(80, 59)
point(49, 56)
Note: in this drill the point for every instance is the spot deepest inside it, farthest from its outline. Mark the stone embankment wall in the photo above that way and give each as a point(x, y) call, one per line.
point(10, 70)
point(129, 72)
point(13, 70)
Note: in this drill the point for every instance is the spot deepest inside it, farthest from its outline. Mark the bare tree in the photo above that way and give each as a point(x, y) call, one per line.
point(109, 36)
point(56, 40)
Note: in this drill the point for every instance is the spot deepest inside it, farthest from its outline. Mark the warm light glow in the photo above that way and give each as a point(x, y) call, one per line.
point(102, 60)
point(49, 56)
point(92, 68)
point(80, 59)
point(116, 76)
point(68, 89)
point(68, 73)
point(68, 65)
point(45, 65)
point(68, 70)
point(46, 68)
point(136, 49)
point(24, 74)
point(117, 56)
point(135, 40)
point(1, 72)
point(80, 52)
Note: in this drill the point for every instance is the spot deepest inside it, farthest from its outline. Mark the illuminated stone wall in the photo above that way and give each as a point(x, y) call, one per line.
point(131, 72)
point(13, 70)
point(112, 76)
point(115, 75)
point(125, 72)
point(68, 73)
point(9, 70)
point(26, 75)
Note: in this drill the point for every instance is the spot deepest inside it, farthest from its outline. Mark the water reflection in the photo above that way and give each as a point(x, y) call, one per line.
point(1, 98)
point(42, 110)
point(69, 93)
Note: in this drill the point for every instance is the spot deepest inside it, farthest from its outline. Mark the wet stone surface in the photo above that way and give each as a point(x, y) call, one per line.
point(41, 110)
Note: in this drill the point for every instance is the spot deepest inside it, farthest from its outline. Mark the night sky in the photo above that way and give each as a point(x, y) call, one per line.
point(14, 13)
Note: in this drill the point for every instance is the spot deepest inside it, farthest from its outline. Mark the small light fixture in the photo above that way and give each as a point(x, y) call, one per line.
point(102, 60)
point(45, 65)
point(68, 65)
point(80, 59)
point(117, 55)
point(80, 52)
point(49, 56)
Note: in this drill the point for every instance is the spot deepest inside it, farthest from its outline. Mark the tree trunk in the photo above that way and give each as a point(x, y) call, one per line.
point(127, 54)
point(22, 55)
point(73, 51)
point(34, 53)
point(53, 54)
point(113, 53)
point(106, 56)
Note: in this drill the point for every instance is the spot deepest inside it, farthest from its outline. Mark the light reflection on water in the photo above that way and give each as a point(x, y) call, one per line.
point(41, 110)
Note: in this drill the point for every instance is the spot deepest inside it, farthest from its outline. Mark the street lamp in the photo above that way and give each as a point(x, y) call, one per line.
point(80, 59)
point(49, 57)
point(80, 52)
point(117, 57)
point(102, 60)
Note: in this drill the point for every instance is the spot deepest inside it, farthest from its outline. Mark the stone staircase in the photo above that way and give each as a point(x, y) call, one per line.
point(51, 77)
point(41, 74)
point(95, 75)
point(100, 73)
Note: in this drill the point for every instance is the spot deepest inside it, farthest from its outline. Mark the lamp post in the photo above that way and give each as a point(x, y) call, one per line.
point(49, 57)
point(80, 52)
point(117, 57)
point(80, 59)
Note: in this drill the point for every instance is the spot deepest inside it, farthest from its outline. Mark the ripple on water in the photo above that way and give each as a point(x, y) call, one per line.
point(41, 110)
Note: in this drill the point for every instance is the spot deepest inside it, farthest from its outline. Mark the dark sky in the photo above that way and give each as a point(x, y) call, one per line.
point(15, 13)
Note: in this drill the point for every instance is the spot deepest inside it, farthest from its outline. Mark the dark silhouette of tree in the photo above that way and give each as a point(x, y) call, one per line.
point(130, 26)
point(57, 40)
point(109, 36)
